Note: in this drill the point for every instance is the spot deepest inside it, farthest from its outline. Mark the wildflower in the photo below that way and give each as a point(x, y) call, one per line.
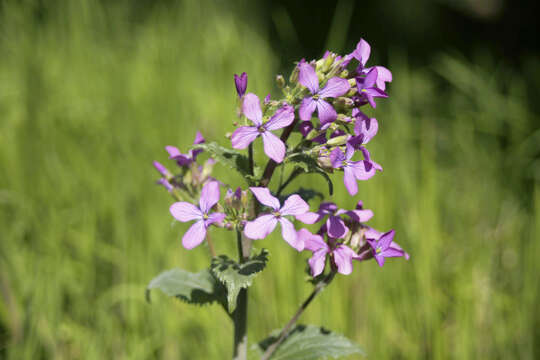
point(353, 170)
point(191, 156)
point(362, 53)
point(184, 211)
point(240, 81)
point(335, 226)
point(334, 87)
point(262, 226)
point(365, 128)
point(340, 254)
point(368, 90)
point(383, 248)
point(245, 135)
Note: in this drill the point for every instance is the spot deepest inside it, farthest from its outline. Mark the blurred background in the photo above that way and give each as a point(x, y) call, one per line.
point(91, 92)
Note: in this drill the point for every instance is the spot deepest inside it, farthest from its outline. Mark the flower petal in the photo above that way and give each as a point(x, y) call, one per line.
point(386, 239)
point(308, 77)
point(360, 215)
point(184, 211)
point(209, 196)
point(309, 218)
point(384, 76)
point(261, 227)
point(380, 259)
point(289, 234)
point(265, 197)
point(349, 179)
point(371, 79)
point(195, 235)
point(335, 87)
point(391, 252)
point(337, 158)
point(214, 218)
point(283, 117)
point(326, 112)
point(294, 205)
point(336, 227)
point(243, 136)
point(343, 258)
point(307, 107)
point(273, 146)
point(362, 52)
point(317, 262)
point(312, 242)
point(173, 151)
point(395, 245)
point(363, 170)
point(251, 107)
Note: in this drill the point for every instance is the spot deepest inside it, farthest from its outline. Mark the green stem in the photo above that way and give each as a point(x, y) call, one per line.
point(240, 314)
point(291, 177)
point(287, 329)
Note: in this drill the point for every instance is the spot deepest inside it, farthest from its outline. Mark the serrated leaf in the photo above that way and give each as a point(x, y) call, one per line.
point(309, 165)
point(230, 158)
point(309, 342)
point(194, 288)
point(236, 276)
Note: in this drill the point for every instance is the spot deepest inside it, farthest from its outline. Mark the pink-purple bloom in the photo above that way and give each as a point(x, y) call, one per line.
point(334, 87)
point(340, 254)
point(245, 135)
point(240, 81)
point(384, 247)
point(335, 226)
point(191, 156)
point(184, 211)
point(368, 90)
point(353, 170)
point(262, 226)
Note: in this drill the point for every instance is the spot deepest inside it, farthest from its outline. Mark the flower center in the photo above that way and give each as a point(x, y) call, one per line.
point(276, 214)
point(261, 129)
point(316, 97)
point(205, 216)
point(378, 250)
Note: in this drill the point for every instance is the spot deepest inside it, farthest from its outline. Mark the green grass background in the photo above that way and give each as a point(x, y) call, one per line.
point(89, 96)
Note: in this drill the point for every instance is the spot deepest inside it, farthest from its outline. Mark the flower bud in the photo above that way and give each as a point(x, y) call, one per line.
point(313, 134)
point(293, 79)
point(344, 74)
point(328, 62)
point(280, 81)
point(338, 140)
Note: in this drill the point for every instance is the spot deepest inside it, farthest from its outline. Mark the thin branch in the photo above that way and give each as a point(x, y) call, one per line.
point(286, 330)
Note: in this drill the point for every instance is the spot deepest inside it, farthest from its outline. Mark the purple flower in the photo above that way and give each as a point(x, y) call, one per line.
point(191, 156)
point(384, 247)
point(334, 87)
point(353, 170)
point(362, 53)
point(241, 84)
point(184, 211)
point(245, 135)
point(341, 254)
point(262, 226)
point(368, 90)
point(365, 128)
point(335, 226)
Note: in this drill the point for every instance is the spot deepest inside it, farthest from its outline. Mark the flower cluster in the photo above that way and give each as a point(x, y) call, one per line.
point(323, 101)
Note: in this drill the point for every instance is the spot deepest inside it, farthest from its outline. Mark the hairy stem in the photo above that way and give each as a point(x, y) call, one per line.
point(240, 314)
point(286, 330)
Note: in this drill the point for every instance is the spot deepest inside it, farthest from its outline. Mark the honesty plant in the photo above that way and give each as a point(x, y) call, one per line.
point(322, 102)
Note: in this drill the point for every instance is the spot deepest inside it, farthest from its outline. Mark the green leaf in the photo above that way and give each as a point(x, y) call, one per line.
point(236, 276)
point(308, 342)
point(230, 158)
point(309, 165)
point(194, 288)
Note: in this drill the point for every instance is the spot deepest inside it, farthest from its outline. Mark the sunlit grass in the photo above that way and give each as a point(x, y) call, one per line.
point(90, 95)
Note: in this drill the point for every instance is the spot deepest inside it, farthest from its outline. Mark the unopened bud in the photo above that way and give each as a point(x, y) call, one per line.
point(294, 76)
point(352, 82)
point(344, 74)
point(313, 134)
point(280, 81)
point(328, 62)
point(338, 140)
